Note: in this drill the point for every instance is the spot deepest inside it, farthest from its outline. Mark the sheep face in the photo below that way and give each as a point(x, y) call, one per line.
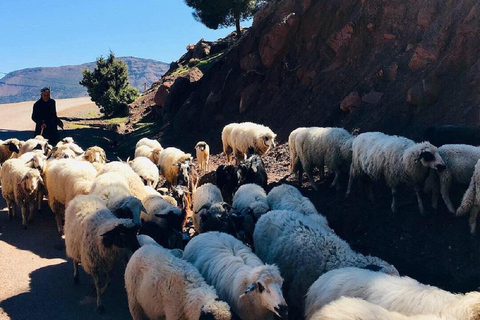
point(265, 142)
point(124, 235)
point(269, 291)
point(214, 217)
point(201, 146)
point(184, 169)
point(429, 157)
point(31, 181)
point(12, 145)
point(130, 208)
point(37, 162)
point(95, 154)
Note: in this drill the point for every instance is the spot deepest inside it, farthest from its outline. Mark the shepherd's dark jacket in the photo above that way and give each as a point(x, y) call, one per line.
point(46, 112)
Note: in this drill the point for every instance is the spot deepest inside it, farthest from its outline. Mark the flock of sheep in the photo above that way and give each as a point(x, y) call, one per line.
point(229, 249)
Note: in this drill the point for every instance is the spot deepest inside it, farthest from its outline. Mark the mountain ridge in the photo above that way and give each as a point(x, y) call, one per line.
point(24, 84)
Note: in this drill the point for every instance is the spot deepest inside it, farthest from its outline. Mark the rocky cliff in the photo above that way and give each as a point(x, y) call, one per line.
point(395, 66)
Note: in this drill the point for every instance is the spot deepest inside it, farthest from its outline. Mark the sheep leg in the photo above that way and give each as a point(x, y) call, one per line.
point(107, 279)
point(435, 196)
point(135, 310)
point(32, 210)
point(76, 280)
point(419, 200)
point(39, 199)
point(11, 212)
point(100, 308)
point(58, 219)
point(444, 188)
point(239, 156)
point(394, 200)
point(23, 208)
point(336, 180)
point(473, 219)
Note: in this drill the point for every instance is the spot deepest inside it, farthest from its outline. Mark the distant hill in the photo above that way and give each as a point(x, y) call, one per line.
point(25, 84)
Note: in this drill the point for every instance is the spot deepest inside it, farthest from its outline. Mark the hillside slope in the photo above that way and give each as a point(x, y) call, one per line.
point(25, 84)
point(411, 64)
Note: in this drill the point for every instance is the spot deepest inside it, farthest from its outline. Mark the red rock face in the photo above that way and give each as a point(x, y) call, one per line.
point(302, 58)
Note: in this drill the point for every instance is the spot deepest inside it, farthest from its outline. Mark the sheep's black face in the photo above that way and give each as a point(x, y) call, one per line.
point(427, 156)
point(13, 147)
point(206, 316)
point(123, 237)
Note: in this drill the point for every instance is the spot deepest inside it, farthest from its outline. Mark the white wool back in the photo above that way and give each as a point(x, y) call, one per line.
point(242, 136)
point(230, 266)
point(304, 250)
point(393, 158)
point(160, 285)
point(135, 183)
point(148, 142)
point(67, 178)
point(358, 309)
point(400, 294)
point(166, 160)
point(287, 197)
point(206, 193)
point(292, 147)
point(251, 196)
point(146, 169)
point(329, 147)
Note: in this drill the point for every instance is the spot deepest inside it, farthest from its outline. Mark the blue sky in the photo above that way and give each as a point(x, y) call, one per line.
point(50, 33)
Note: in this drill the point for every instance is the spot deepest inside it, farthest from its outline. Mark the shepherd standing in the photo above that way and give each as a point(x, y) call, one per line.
point(45, 117)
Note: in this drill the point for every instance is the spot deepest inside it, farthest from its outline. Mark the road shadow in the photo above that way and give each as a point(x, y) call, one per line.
point(41, 236)
point(53, 295)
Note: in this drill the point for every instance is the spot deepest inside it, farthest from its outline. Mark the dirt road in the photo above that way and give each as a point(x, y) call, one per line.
point(36, 280)
point(17, 116)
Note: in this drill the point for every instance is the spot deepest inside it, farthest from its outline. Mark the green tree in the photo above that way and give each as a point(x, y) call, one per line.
point(223, 13)
point(108, 86)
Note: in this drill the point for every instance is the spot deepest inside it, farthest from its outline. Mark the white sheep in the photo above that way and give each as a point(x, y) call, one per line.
point(151, 143)
point(460, 160)
point(94, 237)
point(37, 143)
point(210, 211)
point(161, 286)
point(95, 155)
point(251, 288)
point(398, 160)
point(304, 250)
point(399, 294)
point(293, 149)
point(69, 143)
point(319, 147)
point(175, 164)
point(36, 159)
point(151, 191)
point(146, 151)
point(146, 170)
point(238, 138)
point(8, 148)
point(358, 309)
point(287, 197)
point(471, 199)
point(203, 155)
point(113, 189)
point(65, 179)
point(135, 183)
point(20, 184)
point(251, 196)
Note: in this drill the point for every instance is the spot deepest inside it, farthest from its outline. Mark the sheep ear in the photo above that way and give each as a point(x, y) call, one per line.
point(250, 288)
point(38, 147)
point(142, 208)
point(260, 286)
point(13, 147)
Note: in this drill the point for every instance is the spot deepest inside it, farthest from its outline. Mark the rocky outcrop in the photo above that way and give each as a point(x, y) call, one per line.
point(413, 64)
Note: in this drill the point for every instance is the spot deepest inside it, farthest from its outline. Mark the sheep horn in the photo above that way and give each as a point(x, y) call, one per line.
point(249, 289)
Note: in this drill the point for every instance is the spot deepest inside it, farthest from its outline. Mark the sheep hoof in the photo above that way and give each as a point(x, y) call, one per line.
point(100, 309)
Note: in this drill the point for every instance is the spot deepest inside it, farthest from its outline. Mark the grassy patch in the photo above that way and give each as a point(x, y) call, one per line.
point(204, 64)
point(117, 120)
point(78, 125)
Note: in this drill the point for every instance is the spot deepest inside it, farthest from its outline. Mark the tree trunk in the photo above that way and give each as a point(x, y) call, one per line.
point(237, 25)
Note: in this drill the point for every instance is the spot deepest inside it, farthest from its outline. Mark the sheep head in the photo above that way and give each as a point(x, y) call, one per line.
point(30, 181)
point(95, 154)
point(214, 217)
point(428, 156)
point(122, 235)
point(264, 142)
point(13, 145)
point(267, 286)
point(130, 208)
point(202, 145)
